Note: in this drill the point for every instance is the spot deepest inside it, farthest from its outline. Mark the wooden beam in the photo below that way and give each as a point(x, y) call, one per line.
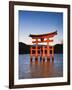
point(42, 41)
point(35, 49)
point(39, 37)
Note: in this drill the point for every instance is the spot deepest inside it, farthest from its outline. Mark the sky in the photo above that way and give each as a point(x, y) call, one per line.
point(39, 22)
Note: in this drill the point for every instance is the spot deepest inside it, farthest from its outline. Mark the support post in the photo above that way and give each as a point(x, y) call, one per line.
point(48, 50)
point(43, 48)
point(36, 56)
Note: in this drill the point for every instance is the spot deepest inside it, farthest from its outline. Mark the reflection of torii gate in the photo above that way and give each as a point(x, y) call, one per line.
point(44, 50)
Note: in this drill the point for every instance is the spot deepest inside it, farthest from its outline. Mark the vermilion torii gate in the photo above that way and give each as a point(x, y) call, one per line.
point(43, 51)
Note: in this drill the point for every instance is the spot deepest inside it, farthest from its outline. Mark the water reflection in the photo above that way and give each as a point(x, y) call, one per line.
point(40, 68)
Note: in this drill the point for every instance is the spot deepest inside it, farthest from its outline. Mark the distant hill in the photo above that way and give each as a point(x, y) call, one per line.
point(25, 49)
point(58, 48)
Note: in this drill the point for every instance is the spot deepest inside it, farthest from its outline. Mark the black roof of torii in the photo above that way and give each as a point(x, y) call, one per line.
point(40, 35)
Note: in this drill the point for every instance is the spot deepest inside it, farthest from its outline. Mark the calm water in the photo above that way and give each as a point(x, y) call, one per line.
point(40, 69)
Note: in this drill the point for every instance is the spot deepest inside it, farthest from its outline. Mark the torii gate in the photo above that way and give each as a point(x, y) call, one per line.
point(44, 50)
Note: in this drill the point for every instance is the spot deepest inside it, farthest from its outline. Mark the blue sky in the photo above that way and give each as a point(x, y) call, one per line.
point(38, 22)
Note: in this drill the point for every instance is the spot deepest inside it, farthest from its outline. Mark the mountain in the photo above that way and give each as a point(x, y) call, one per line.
point(58, 48)
point(25, 49)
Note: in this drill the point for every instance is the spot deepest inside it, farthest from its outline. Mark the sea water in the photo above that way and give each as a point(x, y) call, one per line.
point(40, 68)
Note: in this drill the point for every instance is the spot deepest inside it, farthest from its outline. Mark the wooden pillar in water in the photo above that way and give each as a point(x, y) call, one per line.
point(48, 50)
point(40, 53)
point(43, 55)
point(36, 56)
